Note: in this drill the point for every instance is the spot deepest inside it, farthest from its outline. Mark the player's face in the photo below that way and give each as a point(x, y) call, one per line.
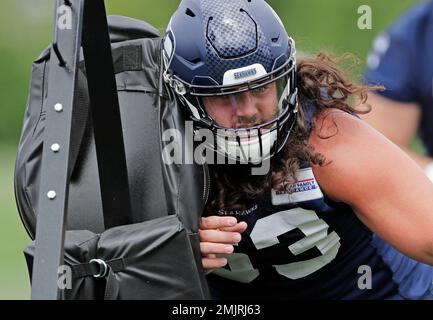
point(244, 110)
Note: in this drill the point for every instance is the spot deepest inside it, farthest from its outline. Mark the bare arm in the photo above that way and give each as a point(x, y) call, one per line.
point(387, 190)
point(398, 121)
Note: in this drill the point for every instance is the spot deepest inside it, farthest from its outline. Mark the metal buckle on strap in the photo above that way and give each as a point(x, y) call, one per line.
point(103, 268)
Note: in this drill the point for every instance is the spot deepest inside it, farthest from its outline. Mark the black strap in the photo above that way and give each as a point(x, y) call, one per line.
point(117, 264)
point(93, 269)
point(66, 120)
point(80, 117)
point(127, 58)
point(107, 125)
point(85, 270)
point(56, 155)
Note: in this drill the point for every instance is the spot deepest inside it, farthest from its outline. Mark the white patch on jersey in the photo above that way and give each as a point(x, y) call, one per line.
point(304, 189)
point(373, 61)
point(380, 47)
point(381, 44)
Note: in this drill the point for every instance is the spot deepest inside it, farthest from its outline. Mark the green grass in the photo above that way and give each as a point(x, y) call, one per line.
point(14, 282)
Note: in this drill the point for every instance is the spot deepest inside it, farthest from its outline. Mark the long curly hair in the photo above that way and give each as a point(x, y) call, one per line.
point(233, 186)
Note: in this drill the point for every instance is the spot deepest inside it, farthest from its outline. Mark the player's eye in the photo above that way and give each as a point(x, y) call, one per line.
point(259, 91)
point(219, 100)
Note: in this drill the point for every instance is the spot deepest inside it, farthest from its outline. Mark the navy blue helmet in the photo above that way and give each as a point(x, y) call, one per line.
point(223, 49)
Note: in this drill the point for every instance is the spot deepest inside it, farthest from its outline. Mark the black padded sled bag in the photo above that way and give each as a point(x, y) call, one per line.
point(158, 256)
point(137, 261)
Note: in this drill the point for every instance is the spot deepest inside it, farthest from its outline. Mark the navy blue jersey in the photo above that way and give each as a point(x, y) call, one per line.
point(402, 61)
point(304, 246)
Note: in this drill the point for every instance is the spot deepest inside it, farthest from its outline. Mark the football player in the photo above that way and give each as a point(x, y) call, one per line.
point(338, 215)
point(402, 61)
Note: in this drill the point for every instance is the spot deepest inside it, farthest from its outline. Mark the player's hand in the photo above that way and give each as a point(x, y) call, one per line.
point(217, 236)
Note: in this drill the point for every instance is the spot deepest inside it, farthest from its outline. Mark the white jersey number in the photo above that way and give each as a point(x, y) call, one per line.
point(264, 235)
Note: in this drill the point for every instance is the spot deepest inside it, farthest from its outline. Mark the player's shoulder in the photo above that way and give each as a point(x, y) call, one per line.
point(339, 135)
point(331, 124)
point(413, 20)
point(352, 151)
point(422, 10)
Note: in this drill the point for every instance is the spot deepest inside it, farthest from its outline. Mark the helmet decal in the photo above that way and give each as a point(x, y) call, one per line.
point(244, 74)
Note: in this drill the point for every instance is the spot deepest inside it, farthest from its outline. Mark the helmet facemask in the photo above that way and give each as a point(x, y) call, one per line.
point(247, 140)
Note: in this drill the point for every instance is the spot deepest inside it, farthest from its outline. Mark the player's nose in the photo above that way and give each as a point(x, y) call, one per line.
point(246, 106)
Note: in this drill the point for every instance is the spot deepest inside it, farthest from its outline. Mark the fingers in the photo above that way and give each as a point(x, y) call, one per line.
point(213, 263)
point(219, 236)
point(216, 222)
point(209, 248)
point(240, 227)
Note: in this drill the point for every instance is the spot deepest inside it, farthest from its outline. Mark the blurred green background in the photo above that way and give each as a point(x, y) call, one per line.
point(25, 30)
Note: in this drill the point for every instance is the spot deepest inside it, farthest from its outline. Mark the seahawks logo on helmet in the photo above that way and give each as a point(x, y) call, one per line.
point(244, 74)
